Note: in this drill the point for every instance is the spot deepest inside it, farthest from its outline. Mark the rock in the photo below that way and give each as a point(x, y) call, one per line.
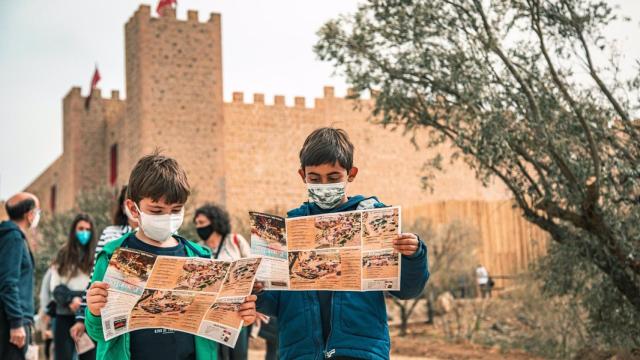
point(445, 303)
point(497, 327)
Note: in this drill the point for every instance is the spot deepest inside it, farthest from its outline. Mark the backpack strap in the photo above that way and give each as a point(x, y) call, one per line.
point(235, 240)
point(199, 253)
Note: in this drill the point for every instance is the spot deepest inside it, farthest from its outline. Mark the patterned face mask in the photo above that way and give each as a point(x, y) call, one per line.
point(326, 196)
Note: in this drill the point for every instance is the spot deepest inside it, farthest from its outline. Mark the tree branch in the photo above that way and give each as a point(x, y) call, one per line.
point(537, 29)
point(594, 74)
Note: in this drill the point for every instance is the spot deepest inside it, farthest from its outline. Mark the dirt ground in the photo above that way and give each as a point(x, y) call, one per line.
point(422, 344)
point(425, 343)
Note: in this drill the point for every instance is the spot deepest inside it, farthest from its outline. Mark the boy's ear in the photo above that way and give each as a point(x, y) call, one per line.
point(132, 208)
point(302, 175)
point(352, 174)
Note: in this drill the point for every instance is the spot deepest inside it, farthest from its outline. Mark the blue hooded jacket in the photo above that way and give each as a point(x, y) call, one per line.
point(358, 324)
point(16, 276)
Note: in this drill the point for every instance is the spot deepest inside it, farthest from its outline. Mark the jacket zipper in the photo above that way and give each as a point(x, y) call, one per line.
point(326, 346)
point(315, 340)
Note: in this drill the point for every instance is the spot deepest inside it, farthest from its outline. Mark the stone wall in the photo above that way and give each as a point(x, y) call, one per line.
point(262, 143)
point(84, 164)
point(3, 212)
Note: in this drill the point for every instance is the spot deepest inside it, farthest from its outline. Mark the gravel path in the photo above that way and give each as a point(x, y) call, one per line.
point(259, 355)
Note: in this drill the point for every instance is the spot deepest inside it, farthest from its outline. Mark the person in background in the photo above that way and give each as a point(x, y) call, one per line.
point(69, 278)
point(268, 330)
point(123, 223)
point(482, 277)
point(462, 286)
point(214, 229)
point(16, 275)
point(46, 313)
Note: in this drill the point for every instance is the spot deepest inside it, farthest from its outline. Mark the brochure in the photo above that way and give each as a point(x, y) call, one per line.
point(346, 251)
point(194, 295)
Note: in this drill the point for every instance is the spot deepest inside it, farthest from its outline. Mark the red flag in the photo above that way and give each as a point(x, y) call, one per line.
point(94, 82)
point(164, 3)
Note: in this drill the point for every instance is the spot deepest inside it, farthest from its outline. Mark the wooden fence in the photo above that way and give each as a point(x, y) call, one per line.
point(509, 243)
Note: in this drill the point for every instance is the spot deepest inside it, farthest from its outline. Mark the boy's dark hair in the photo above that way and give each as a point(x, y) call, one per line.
point(327, 146)
point(156, 176)
point(218, 216)
point(119, 216)
point(18, 210)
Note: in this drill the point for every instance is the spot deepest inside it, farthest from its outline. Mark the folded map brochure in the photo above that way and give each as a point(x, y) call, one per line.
point(346, 251)
point(192, 295)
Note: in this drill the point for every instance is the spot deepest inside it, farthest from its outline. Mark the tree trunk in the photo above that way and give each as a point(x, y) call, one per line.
point(430, 308)
point(404, 321)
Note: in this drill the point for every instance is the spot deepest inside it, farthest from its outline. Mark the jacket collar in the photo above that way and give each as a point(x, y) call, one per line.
point(309, 208)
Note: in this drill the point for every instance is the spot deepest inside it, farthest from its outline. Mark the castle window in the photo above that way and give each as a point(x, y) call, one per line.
point(52, 198)
point(113, 164)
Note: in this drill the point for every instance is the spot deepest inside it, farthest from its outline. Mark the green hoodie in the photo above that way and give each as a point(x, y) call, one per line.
point(118, 348)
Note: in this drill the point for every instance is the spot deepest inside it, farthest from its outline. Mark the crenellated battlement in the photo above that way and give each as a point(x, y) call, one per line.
point(144, 14)
point(237, 97)
point(75, 93)
point(299, 102)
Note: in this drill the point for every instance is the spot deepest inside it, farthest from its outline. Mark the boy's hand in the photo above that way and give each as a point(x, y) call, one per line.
point(97, 297)
point(248, 310)
point(406, 244)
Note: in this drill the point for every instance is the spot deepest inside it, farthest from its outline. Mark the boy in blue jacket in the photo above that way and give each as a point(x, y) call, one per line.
point(339, 325)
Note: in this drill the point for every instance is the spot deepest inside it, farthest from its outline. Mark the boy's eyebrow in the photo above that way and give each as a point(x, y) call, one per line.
point(160, 206)
point(329, 174)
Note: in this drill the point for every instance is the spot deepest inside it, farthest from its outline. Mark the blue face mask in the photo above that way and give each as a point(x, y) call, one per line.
point(83, 236)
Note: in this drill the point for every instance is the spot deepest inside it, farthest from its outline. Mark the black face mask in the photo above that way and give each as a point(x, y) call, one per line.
point(204, 232)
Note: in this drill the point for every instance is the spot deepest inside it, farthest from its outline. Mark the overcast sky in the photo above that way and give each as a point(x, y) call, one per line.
point(48, 46)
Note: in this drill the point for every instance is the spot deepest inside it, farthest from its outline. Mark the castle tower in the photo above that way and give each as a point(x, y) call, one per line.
point(174, 95)
point(71, 119)
point(83, 168)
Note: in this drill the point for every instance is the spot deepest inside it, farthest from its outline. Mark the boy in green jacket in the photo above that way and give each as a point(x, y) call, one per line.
point(158, 190)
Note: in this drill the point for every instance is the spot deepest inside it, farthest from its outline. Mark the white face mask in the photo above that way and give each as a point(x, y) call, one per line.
point(36, 219)
point(160, 227)
point(326, 196)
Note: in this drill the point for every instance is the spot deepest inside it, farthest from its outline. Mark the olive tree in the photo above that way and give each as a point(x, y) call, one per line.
point(519, 89)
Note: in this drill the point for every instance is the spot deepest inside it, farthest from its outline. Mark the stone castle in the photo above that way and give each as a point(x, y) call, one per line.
point(244, 154)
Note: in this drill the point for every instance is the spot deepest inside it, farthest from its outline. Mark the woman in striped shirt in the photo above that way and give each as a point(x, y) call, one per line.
point(122, 223)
